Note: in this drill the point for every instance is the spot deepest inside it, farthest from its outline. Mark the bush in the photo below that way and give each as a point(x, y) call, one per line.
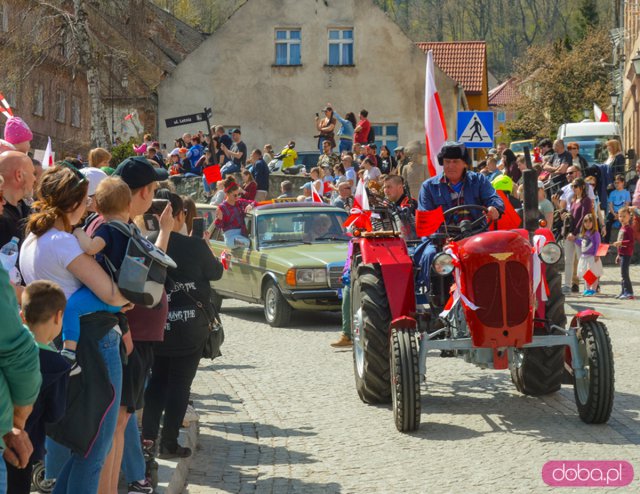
point(120, 152)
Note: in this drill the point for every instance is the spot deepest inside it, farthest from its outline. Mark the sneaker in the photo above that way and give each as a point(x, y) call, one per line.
point(589, 293)
point(585, 293)
point(138, 487)
point(344, 341)
point(575, 288)
point(190, 416)
point(167, 453)
point(626, 296)
point(566, 289)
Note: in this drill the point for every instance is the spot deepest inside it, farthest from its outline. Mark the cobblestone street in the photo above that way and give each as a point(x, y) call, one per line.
point(279, 413)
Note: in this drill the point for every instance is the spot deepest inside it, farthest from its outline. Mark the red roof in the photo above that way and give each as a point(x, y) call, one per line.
point(463, 61)
point(504, 94)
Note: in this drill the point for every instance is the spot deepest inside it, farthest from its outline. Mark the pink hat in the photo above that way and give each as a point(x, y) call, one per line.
point(16, 131)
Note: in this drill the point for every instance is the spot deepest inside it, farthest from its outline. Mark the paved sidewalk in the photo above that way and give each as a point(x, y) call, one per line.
point(605, 301)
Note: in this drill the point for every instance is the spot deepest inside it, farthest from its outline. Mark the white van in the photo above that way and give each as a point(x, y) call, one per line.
point(591, 136)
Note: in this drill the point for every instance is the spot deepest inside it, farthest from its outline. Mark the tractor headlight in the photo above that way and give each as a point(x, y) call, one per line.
point(551, 253)
point(311, 277)
point(443, 264)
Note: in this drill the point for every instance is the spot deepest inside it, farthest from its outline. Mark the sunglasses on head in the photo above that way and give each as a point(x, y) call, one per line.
point(81, 178)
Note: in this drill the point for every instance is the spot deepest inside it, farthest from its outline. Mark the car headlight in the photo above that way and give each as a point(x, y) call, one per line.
point(311, 276)
point(443, 264)
point(550, 253)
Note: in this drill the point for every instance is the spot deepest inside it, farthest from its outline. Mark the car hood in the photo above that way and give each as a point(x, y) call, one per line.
point(303, 255)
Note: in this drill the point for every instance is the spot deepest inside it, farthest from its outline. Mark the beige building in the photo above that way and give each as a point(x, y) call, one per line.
point(275, 63)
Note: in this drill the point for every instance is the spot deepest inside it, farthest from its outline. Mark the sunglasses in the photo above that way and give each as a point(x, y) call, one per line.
point(81, 178)
point(571, 148)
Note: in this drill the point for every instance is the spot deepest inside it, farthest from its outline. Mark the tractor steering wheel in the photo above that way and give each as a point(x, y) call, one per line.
point(466, 228)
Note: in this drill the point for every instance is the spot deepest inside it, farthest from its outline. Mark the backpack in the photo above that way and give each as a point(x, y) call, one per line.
point(143, 272)
point(371, 138)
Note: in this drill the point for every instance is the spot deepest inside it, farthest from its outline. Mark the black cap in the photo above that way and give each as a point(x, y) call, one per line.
point(137, 171)
point(236, 131)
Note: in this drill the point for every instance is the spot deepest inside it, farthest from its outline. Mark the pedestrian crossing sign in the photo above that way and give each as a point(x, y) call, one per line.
point(475, 128)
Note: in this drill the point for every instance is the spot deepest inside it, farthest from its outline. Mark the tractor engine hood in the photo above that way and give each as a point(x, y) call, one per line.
point(496, 275)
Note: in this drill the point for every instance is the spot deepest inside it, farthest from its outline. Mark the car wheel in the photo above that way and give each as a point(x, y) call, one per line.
point(277, 310)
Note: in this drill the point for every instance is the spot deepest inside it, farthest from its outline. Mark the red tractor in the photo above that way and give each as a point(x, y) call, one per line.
point(495, 300)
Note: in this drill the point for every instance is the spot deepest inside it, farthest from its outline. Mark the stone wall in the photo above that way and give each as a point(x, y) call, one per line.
point(193, 186)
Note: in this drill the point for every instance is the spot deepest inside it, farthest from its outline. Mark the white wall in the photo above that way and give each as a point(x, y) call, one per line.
point(233, 72)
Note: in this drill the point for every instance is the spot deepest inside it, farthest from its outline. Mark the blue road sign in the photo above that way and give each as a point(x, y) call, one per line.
point(475, 128)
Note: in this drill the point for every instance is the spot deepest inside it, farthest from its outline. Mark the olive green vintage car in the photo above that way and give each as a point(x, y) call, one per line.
point(295, 260)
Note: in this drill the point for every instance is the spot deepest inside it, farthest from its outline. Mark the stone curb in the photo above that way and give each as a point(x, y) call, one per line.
point(172, 475)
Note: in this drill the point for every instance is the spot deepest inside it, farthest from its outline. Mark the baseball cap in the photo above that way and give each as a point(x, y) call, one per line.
point(94, 176)
point(236, 131)
point(493, 151)
point(399, 149)
point(137, 171)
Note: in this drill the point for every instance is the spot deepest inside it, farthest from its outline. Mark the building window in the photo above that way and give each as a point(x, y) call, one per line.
point(38, 101)
point(288, 43)
point(4, 18)
point(61, 104)
point(340, 46)
point(386, 134)
point(502, 116)
point(75, 111)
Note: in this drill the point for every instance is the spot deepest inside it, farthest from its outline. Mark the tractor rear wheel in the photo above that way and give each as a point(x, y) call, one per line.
point(370, 318)
point(405, 380)
point(594, 393)
point(539, 371)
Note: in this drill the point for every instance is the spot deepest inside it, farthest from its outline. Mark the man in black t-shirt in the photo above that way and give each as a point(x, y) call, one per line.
point(19, 176)
point(558, 163)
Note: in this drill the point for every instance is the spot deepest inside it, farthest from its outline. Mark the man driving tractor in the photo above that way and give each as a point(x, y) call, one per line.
point(456, 186)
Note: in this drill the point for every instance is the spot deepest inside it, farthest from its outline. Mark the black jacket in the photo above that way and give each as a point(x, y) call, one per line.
point(51, 403)
point(187, 325)
point(90, 394)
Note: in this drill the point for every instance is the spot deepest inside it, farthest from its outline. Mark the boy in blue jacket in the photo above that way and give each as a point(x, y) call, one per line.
point(43, 303)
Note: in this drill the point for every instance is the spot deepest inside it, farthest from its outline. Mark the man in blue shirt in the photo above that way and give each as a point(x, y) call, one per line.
point(260, 171)
point(456, 186)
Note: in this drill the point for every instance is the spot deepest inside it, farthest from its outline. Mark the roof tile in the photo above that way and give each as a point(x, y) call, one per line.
point(505, 93)
point(463, 61)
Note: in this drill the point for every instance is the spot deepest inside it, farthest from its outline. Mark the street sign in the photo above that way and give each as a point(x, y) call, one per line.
point(186, 119)
point(475, 128)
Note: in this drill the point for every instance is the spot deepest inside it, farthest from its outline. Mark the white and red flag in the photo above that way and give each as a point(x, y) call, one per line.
point(314, 195)
point(47, 159)
point(599, 114)
point(435, 127)
point(360, 214)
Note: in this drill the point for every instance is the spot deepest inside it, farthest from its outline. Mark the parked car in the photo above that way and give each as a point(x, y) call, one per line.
point(591, 136)
point(292, 262)
point(518, 146)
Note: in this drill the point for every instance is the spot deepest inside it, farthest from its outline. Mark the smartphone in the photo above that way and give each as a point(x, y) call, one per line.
point(164, 146)
point(158, 206)
point(151, 222)
point(317, 114)
point(197, 229)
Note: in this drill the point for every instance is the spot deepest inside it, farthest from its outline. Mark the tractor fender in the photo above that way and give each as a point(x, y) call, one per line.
point(396, 265)
point(585, 316)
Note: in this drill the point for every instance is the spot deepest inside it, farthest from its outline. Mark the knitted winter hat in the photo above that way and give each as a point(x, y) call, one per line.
point(17, 131)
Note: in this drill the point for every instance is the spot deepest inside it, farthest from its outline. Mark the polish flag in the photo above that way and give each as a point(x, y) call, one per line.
point(314, 194)
point(47, 160)
point(434, 125)
point(599, 114)
point(360, 199)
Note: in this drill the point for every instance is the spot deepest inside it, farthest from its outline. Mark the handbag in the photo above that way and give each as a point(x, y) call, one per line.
point(215, 337)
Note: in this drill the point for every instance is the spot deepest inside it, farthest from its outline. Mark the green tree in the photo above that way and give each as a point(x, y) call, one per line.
point(559, 82)
point(588, 17)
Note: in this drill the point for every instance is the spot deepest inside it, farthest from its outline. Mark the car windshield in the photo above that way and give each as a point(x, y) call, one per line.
point(593, 149)
point(312, 227)
point(518, 147)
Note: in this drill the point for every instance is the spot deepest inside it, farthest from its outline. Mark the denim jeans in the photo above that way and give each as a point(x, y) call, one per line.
point(55, 459)
point(133, 464)
point(230, 237)
point(80, 474)
point(229, 168)
point(627, 287)
point(3, 474)
point(346, 311)
point(205, 184)
point(345, 145)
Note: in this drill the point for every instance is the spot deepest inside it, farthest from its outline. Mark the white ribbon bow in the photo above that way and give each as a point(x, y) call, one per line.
point(538, 244)
point(457, 291)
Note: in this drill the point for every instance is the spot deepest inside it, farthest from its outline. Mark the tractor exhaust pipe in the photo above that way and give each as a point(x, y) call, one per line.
point(530, 201)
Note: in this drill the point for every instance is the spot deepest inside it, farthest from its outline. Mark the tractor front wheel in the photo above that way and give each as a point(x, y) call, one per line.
point(405, 380)
point(370, 317)
point(594, 392)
